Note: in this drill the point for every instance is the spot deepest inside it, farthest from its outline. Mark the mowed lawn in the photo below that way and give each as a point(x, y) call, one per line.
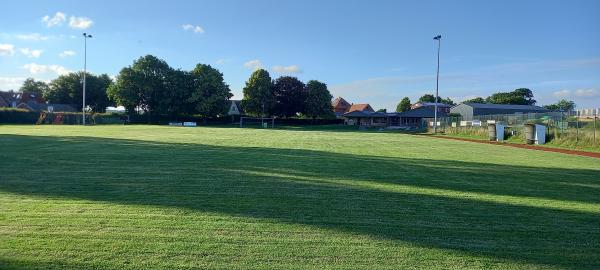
point(132, 197)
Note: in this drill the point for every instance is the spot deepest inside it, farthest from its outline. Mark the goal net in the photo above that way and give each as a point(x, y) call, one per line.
point(257, 122)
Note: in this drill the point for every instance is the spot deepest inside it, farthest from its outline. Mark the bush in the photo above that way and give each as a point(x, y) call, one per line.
point(17, 116)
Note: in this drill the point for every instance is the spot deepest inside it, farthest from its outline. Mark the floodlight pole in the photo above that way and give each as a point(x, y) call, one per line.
point(437, 84)
point(85, 37)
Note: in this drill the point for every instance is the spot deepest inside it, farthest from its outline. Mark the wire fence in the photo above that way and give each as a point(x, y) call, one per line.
point(562, 128)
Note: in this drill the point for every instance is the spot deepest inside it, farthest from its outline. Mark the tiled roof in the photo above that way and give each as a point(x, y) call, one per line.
point(339, 101)
point(361, 107)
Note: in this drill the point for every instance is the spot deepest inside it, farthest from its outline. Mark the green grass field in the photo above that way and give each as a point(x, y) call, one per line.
point(132, 197)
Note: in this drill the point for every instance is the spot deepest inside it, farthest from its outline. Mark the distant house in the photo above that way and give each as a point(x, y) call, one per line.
point(235, 108)
point(588, 113)
point(365, 118)
point(9, 99)
point(361, 107)
point(46, 107)
point(442, 107)
point(3, 103)
point(414, 118)
point(364, 115)
point(340, 106)
point(470, 110)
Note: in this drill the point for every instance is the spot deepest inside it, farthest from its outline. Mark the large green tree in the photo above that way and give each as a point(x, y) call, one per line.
point(520, 96)
point(427, 98)
point(68, 89)
point(404, 105)
point(318, 100)
point(259, 97)
point(148, 85)
point(33, 90)
point(431, 98)
point(475, 100)
point(562, 105)
point(209, 91)
point(290, 94)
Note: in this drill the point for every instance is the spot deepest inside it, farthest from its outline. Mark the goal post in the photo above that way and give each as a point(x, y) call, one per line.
point(260, 122)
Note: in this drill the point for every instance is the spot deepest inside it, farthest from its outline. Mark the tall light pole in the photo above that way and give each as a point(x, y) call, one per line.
point(437, 84)
point(85, 37)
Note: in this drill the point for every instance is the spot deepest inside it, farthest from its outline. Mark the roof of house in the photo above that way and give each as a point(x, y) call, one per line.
point(361, 107)
point(505, 106)
point(8, 97)
point(238, 104)
point(35, 106)
point(365, 114)
point(340, 101)
point(3, 103)
point(432, 104)
point(421, 112)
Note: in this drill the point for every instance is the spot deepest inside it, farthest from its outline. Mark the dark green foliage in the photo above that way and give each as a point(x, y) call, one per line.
point(318, 100)
point(33, 90)
point(17, 116)
point(475, 100)
point(68, 89)
point(427, 98)
point(146, 84)
point(431, 98)
point(209, 91)
point(520, 96)
point(404, 105)
point(290, 94)
point(259, 97)
point(562, 105)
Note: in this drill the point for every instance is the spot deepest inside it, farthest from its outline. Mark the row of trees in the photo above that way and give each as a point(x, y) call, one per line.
point(153, 86)
point(285, 97)
point(520, 96)
point(405, 103)
point(66, 89)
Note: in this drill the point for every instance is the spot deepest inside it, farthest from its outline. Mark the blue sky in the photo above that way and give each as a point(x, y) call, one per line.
point(366, 51)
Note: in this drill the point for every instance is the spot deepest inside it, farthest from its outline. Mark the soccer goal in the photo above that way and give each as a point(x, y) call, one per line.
point(257, 122)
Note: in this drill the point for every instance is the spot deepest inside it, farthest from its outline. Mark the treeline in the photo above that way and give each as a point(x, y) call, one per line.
point(67, 89)
point(152, 87)
point(520, 96)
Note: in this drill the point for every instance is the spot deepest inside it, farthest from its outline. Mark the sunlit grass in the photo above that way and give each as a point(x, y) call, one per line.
point(131, 197)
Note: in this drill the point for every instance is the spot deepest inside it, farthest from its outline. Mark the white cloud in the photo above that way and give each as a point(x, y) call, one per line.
point(7, 49)
point(7, 83)
point(194, 28)
point(31, 53)
point(34, 68)
point(288, 69)
point(80, 22)
point(57, 19)
point(578, 93)
point(66, 54)
point(32, 36)
point(222, 61)
point(254, 64)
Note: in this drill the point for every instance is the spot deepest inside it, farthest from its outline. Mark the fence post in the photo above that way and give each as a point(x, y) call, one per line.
point(577, 127)
point(595, 116)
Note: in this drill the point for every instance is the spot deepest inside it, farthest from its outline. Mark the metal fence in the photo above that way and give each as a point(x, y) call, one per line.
point(561, 126)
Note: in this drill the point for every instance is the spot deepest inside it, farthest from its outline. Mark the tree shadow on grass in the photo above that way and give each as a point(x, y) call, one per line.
point(451, 205)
